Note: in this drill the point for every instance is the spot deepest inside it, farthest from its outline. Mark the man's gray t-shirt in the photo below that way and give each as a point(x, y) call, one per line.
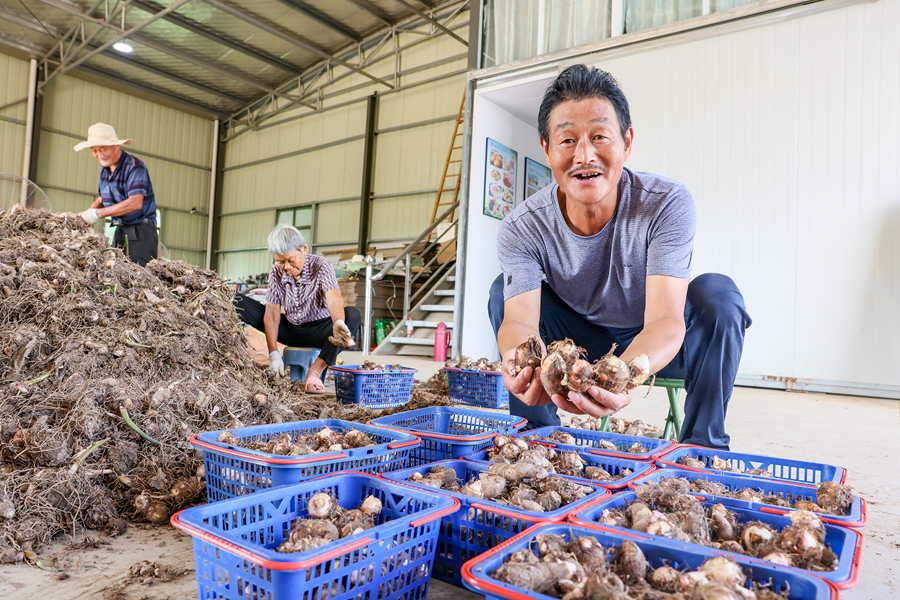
point(602, 276)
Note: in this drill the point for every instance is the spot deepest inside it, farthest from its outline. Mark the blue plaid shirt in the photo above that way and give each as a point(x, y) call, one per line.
point(129, 178)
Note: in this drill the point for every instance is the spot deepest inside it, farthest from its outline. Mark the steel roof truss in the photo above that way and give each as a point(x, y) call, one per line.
point(325, 20)
point(433, 21)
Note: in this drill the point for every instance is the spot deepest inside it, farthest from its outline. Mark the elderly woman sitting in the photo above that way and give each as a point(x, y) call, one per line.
point(305, 286)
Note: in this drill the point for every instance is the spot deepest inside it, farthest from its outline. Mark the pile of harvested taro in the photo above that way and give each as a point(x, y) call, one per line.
point(564, 437)
point(523, 485)
point(328, 521)
point(286, 444)
point(831, 497)
point(516, 451)
point(669, 510)
point(582, 569)
point(616, 425)
point(107, 370)
point(482, 364)
point(719, 464)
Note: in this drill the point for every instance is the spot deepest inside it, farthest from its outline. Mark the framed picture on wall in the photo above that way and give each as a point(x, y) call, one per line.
point(499, 179)
point(537, 177)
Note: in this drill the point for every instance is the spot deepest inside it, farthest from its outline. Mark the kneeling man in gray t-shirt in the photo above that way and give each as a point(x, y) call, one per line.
point(603, 256)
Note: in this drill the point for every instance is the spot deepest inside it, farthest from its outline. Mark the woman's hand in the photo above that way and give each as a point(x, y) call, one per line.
point(276, 364)
point(341, 335)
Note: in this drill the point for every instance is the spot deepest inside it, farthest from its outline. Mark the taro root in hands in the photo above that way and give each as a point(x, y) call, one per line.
point(528, 354)
point(564, 368)
point(327, 521)
point(582, 569)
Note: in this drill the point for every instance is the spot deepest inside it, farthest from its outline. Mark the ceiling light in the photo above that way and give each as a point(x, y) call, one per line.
point(122, 47)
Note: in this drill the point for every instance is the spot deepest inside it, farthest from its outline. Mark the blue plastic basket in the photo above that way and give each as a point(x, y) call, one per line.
point(235, 471)
point(374, 389)
point(477, 388)
point(613, 466)
point(588, 440)
point(782, 468)
point(479, 525)
point(235, 541)
point(789, 491)
point(449, 432)
point(846, 543)
point(476, 572)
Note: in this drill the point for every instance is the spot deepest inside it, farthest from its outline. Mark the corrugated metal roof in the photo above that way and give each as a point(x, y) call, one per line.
point(218, 55)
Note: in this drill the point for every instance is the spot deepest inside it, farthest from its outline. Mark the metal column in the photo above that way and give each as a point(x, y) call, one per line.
point(368, 174)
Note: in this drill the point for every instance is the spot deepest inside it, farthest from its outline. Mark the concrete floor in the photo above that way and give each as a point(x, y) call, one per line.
point(860, 434)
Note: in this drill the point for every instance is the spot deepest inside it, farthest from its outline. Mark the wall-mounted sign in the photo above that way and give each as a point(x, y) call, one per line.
point(537, 177)
point(499, 180)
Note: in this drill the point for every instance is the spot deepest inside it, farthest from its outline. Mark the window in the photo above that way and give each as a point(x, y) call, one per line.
point(300, 217)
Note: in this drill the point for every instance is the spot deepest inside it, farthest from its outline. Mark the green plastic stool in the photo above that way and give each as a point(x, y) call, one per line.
point(673, 419)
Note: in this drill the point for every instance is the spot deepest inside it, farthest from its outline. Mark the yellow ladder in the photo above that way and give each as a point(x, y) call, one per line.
point(447, 175)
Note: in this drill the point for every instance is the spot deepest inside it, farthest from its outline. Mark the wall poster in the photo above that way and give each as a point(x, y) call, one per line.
point(499, 180)
point(537, 177)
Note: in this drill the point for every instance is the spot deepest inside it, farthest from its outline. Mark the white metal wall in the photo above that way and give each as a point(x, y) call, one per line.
point(14, 75)
point(305, 157)
point(176, 147)
point(788, 135)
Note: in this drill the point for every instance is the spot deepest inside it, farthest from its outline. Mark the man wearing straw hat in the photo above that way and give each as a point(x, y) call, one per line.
point(126, 195)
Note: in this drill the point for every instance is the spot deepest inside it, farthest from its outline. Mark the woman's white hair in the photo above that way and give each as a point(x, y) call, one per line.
point(285, 238)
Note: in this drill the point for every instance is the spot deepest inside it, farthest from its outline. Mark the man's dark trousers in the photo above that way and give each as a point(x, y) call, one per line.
point(715, 318)
point(140, 241)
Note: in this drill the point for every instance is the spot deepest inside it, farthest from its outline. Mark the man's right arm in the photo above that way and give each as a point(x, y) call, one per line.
point(521, 315)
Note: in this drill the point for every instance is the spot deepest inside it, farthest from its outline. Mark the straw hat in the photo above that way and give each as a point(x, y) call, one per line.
point(101, 134)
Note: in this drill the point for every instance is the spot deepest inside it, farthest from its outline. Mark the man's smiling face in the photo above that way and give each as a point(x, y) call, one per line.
point(108, 156)
point(586, 151)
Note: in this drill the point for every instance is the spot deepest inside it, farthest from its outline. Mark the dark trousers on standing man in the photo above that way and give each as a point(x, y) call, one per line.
point(140, 241)
point(308, 335)
point(715, 318)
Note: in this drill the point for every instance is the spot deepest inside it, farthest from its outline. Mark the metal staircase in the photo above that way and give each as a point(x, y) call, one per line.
point(433, 303)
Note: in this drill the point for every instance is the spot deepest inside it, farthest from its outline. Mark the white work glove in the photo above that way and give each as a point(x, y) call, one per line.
point(275, 363)
point(341, 335)
point(90, 216)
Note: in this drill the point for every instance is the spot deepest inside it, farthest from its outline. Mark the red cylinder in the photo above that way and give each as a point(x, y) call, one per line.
point(441, 341)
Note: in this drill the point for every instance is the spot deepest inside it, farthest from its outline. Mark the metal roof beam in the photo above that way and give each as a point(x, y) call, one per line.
point(322, 19)
point(32, 24)
point(373, 10)
point(62, 68)
point(172, 77)
point(433, 21)
point(150, 91)
point(185, 23)
point(293, 40)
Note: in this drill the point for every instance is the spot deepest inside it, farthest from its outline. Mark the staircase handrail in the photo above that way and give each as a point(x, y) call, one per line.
point(370, 278)
point(411, 246)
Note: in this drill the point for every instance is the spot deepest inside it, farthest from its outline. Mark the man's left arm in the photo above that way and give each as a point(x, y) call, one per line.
point(660, 340)
point(129, 205)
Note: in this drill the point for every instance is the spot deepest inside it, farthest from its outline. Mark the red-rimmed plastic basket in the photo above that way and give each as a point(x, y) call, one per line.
point(589, 440)
point(374, 389)
point(791, 492)
point(448, 432)
point(479, 525)
point(613, 466)
point(846, 543)
point(235, 541)
point(233, 471)
point(477, 572)
point(477, 388)
point(798, 471)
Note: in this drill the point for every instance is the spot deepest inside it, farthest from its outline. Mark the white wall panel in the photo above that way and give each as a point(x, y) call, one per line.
point(14, 75)
point(403, 217)
point(338, 222)
point(788, 135)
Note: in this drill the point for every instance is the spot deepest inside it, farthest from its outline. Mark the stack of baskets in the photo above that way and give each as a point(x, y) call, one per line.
point(255, 496)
